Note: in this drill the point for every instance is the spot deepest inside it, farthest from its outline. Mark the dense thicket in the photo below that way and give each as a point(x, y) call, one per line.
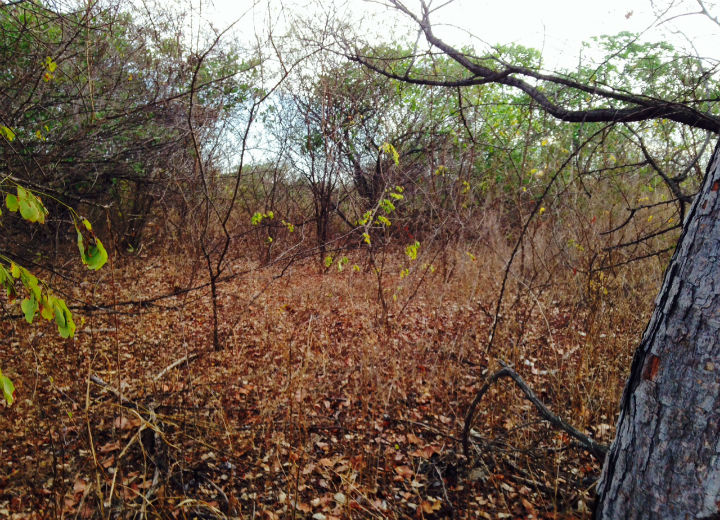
point(375, 158)
point(95, 103)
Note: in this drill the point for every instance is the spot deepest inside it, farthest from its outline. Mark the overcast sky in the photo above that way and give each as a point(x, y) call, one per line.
point(558, 27)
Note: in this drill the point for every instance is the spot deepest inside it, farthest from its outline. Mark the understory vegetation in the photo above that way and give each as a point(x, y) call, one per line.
point(312, 269)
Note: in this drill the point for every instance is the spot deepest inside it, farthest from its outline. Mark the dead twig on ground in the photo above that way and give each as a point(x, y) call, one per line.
point(184, 359)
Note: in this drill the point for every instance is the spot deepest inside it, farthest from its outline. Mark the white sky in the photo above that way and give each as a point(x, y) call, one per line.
point(558, 27)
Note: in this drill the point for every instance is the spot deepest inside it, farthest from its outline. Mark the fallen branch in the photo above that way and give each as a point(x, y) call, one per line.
point(124, 400)
point(175, 364)
point(599, 450)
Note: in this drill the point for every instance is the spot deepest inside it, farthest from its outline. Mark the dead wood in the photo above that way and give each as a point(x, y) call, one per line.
point(599, 450)
point(184, 359)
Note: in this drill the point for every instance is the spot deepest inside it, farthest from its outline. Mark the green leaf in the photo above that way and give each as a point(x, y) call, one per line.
point(8, 389)
point(47, 309)
point(92, 251)
point(11, 202)
point(96, 255)
point(63, 319)
point(31, 207)
point(29, 306)
point(8, 282)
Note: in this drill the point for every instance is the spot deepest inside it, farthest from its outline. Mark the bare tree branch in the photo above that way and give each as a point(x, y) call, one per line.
point(597, 449)
point(634, 107)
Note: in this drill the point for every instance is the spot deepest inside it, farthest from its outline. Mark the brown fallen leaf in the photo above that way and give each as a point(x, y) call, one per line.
point(80, 486)
point(414, 439)
point(404, 471)
point(425, 452)
point(110, 446)
point(430, 507)
point(527, 505)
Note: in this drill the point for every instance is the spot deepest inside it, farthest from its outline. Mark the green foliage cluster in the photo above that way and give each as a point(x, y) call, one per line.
point(346, 137)
point(95, 106)
point(38, 296)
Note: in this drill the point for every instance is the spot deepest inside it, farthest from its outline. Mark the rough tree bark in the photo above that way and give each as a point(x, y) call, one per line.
point(665, 459)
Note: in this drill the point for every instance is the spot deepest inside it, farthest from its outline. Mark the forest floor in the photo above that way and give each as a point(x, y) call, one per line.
point(315, 407)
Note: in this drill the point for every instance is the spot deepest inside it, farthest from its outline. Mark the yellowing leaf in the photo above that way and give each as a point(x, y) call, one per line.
point(30, 206)
point(92, 251)
point(7, 133)
point(50, 64)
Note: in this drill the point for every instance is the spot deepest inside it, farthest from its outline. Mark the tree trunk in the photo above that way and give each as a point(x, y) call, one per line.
point(665, 459)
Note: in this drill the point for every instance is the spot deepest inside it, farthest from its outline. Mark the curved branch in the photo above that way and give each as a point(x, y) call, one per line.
point(642, 107)
point(597, 449)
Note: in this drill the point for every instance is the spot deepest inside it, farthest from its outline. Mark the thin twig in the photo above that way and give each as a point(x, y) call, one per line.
point(184, 359)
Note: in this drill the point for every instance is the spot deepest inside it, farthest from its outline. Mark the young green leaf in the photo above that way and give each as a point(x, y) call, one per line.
point(390, 150)
point(11, 202)
point(29, 307)
point(8, 389)
point(50, 64)
point(63, 319)
point(411, 251)
point(384, 221)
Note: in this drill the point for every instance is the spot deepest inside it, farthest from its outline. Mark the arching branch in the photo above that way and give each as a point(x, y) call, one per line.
point(597, 449)
point(632, 108)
